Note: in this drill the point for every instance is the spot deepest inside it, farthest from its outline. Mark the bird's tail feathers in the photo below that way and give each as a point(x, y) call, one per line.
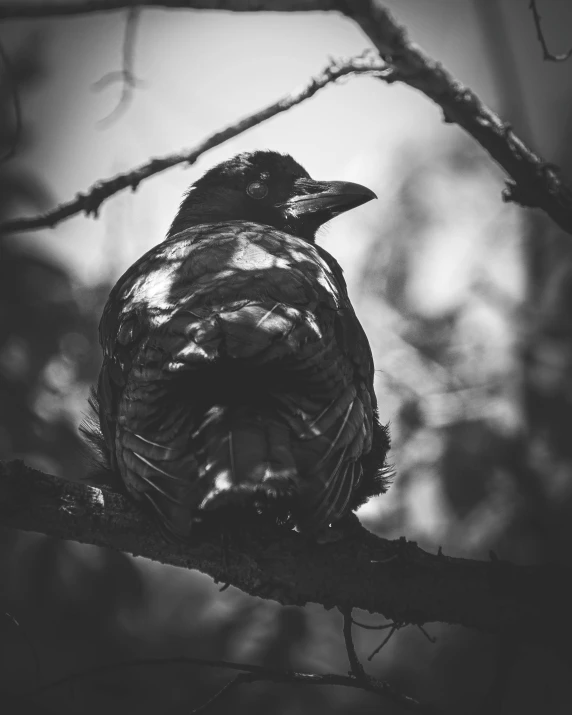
point(98, 458)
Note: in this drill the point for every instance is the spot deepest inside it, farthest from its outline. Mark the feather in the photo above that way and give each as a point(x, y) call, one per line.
point(155, 468)
point(148, 441)
point(157, 488)
point(334, 442)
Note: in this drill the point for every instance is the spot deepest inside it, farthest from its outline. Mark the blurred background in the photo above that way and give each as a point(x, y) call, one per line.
point(466, 302)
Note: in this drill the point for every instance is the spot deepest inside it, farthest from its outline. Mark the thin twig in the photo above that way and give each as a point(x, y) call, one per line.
point(357, 669)
point(384, 641)
point(90, 201)
point(126, 75)
point(250, 673)
point(546, 54)
point(11, 81)
point(368, 627)
point(237, 680)
point(431, 639)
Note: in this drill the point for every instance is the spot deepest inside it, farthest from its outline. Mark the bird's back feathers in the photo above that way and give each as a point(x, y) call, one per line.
point(236, 374)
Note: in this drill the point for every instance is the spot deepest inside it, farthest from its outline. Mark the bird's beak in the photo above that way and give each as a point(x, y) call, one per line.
point(326, 198)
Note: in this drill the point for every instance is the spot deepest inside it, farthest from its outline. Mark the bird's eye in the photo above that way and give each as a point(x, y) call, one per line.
point(257, 190)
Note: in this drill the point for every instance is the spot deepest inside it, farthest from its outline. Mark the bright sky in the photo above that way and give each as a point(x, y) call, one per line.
point(203, 71)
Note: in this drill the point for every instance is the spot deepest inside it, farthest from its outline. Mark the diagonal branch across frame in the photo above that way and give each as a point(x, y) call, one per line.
point(91, 201)
point(532, 181)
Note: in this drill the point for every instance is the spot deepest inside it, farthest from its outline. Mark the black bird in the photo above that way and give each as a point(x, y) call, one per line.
point(236, 376)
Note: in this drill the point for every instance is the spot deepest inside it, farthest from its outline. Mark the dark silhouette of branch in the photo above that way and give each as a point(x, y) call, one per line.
point(368, 627)
point(382, 627)
point(394, 627)
point(237, 680)
point(532, 182)
point(394, 578)
point(126, 75)
point(90, 202)
point(11, 9)
point(546, 54)
point(430, 638)
point(357, 669)
point(11, 82)
point(249, 674)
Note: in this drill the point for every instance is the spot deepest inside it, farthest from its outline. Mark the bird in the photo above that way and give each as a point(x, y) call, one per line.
point(237, 380)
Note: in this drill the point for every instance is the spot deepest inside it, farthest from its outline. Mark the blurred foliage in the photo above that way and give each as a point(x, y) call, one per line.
point(48, 355)
point(48, 344)
point(478, 360)
point(474, 302)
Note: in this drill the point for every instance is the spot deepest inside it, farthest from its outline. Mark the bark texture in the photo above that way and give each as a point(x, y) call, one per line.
point(394, 578)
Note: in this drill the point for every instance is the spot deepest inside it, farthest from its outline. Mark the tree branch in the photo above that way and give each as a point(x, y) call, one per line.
point(237, 680)
point(90, 202)
point(546, 54)
point(126, 75)
point(356, 668)
point(395, 578)
point(12, 9)
point(533, 182)
point(249, 674)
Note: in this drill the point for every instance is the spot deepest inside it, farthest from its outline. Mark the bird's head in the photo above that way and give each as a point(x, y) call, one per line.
point(268, 188)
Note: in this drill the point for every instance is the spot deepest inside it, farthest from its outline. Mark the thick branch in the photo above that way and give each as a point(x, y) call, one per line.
point(90, 202)
point(534, 182)
point(11, 9)
point(397, 579)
